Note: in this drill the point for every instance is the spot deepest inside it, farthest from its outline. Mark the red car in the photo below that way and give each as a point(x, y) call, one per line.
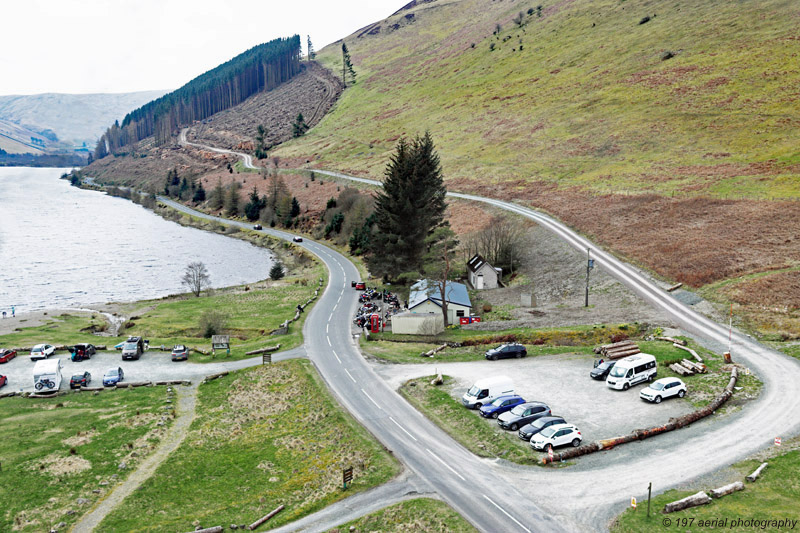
point(3, 380)
point(7, 355)
point(360, 285)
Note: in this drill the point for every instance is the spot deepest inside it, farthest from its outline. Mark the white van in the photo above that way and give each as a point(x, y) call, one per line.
point(47, 375)
point(632, 370)
point(486, 390)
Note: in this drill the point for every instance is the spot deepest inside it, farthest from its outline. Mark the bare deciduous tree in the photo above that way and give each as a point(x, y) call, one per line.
point(499, 242)
point(196, 277)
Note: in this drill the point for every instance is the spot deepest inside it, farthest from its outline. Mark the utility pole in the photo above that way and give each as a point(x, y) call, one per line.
point(589, 266)
point(649, 492)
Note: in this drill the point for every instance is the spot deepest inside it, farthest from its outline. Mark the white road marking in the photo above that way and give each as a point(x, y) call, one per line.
point(508, 515)
point(328, 325)
point(337, 357)
point(351, 376)
point(404, 429)
point(450, 468)
point(329, 341)
point(370, 399)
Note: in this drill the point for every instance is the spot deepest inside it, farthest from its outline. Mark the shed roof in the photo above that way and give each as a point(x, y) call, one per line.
point(423, 290)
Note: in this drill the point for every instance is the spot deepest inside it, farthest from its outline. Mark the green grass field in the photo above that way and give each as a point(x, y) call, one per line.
point(579, 96)
point(250, 317)
point(773, 496)
point(263, 437)
point(57, 450)
point(422, 515)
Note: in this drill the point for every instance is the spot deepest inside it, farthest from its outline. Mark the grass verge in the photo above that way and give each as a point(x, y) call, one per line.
point(479, 435)
point(773, 497)
point(422, 514)
point(58, 450)
point(262, 437)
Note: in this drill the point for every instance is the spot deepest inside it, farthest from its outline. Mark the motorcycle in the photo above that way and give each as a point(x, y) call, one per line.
point(42, 383)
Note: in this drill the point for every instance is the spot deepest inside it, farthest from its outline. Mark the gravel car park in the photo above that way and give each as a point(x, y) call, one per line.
point(562, 382)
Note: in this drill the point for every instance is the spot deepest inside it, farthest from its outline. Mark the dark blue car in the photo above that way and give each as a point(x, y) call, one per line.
point(501, 405)
point(112, 377)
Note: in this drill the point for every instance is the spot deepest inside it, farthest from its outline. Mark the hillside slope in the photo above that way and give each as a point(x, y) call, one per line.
point(74, 118)
point(580, 94)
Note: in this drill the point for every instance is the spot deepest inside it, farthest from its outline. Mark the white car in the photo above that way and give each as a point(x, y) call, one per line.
point(42, 351)
point(663, 388)
point(555, 436)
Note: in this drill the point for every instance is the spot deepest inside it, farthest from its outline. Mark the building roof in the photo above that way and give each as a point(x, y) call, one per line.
point(477, 261)
point(423, 290)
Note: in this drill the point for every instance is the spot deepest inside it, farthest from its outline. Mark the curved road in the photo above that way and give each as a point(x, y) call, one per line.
point(588, 495)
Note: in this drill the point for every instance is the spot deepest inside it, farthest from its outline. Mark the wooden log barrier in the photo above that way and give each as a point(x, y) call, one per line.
point(754, 476)
point(701, 498)
point(264, 350)
point(215, 529)
point(264, 518)
point(727, 489)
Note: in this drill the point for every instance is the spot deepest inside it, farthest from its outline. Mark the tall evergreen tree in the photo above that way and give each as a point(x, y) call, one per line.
point(199, 194)
point(217, 199)
point(295, 207)
point(311, 53)
point(347, 66)
point(254, 205)
point(408, 209)
point(232, 199)
point(299, 127)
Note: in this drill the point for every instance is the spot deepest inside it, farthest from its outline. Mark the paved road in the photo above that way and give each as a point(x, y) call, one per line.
point(591, 496)
point(467, 483)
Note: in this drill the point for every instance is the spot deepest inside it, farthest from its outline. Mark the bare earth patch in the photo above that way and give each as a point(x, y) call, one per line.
point(59, 465)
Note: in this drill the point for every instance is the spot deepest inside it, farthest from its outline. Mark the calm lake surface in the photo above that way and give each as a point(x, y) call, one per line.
point(61, 246)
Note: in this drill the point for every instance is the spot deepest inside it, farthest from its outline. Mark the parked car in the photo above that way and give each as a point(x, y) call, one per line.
point(257, 226)
point(133, 348)
point(360, 285)
point(601, 371)
point(632, 370)
point(555, 436)
point(42, 351)
point(522, 414)
point(7, 355)
point(505, 351)
point(3, 380)
point(529, 430)
point(180, 353)
point(113, 376)
point(663, 388)
point(83, 351)
point(297, 239)
point(501, 405)
point(80, 380)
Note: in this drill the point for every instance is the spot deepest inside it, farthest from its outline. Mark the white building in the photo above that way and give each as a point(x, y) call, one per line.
point(481, 274)
point(425, 297)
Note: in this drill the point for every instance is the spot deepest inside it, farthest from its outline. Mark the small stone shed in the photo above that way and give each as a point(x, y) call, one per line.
point(481, 275)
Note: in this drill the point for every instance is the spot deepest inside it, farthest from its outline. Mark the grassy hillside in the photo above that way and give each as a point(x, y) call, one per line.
point(581, 95)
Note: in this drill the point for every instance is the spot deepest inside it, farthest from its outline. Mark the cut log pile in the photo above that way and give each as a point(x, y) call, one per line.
point(618, 350)
point(688, 368)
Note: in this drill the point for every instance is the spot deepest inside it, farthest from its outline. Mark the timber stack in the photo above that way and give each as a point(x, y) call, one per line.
point(618, 350)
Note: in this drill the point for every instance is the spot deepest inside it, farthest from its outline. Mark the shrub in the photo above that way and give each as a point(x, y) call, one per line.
point(487, 308)
point(276, 272)
point(212, 322)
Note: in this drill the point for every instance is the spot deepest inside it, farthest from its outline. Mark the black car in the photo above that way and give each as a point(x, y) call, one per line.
point(522, 414)
point(257, 227)
point(529, 430)
point(601, 371)
point(80, 380)
point(83, 351)
point(506, 350)
point(297, 239)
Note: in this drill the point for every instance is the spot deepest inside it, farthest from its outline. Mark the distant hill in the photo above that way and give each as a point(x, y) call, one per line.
point(63, 121)
point(689, 98)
